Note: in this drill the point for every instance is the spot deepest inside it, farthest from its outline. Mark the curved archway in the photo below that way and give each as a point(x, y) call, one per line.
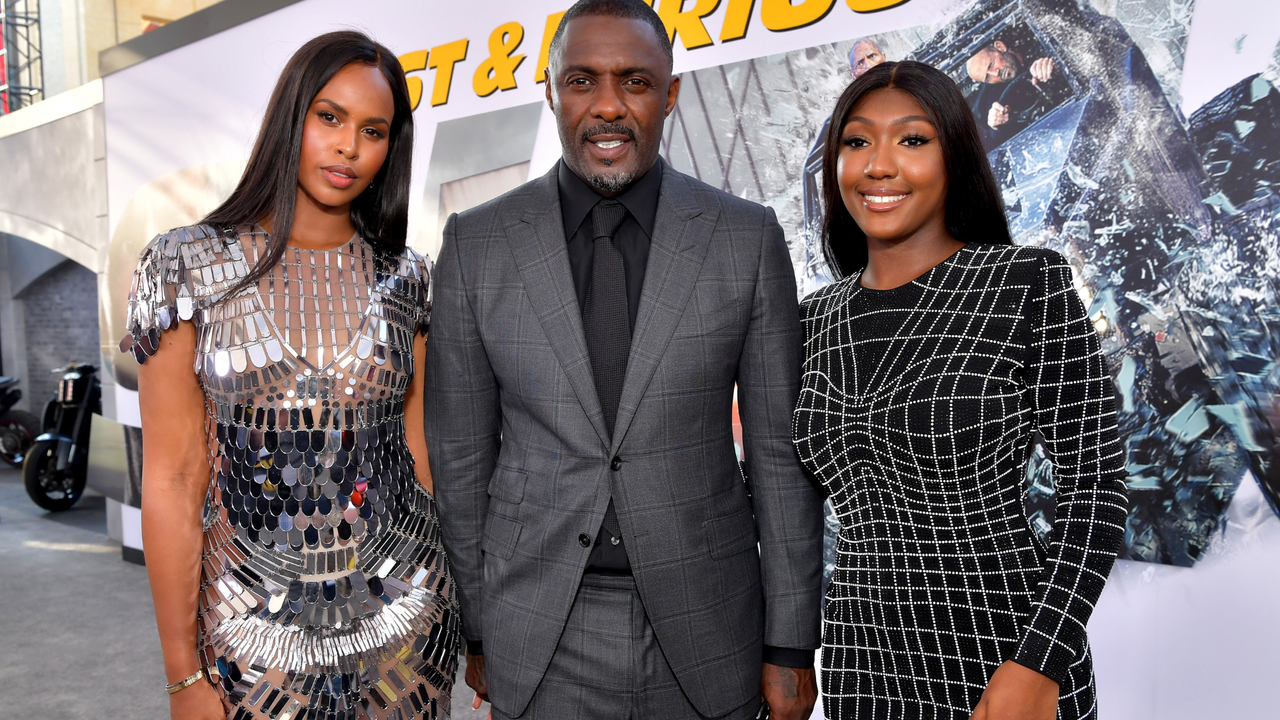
point(74, 248)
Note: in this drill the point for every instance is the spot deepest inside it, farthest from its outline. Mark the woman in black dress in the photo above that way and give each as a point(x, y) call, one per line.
point(929, 366)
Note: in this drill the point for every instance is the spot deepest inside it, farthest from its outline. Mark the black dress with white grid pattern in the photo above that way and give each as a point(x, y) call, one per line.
point(917, 410)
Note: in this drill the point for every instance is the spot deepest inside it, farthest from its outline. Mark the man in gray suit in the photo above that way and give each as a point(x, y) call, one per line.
point(587, 334)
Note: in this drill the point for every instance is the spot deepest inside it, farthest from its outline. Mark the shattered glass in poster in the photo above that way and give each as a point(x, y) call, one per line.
point(1170, 223)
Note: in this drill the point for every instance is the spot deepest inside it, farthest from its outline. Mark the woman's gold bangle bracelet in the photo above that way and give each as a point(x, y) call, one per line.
point(184, 684)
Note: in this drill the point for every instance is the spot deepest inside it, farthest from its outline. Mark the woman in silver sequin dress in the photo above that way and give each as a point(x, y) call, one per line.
point(291, 537)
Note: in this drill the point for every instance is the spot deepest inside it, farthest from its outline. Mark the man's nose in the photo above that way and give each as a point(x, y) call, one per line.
point(607, 102)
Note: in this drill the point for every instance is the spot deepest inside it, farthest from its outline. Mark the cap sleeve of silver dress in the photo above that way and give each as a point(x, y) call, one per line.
point(153, 296)
point(172, 272)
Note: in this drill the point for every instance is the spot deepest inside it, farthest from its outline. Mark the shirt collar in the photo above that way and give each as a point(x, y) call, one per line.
point(577, 198)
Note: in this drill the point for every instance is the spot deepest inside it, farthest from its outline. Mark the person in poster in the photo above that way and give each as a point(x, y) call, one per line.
point(588, 331)
point(1009, 97)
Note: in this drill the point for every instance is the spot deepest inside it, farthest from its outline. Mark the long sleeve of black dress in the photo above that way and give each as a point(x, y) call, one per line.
point(1074, 410)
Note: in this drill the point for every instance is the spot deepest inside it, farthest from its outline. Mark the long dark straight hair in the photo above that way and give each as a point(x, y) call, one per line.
point(269, 186)
point(974, 210)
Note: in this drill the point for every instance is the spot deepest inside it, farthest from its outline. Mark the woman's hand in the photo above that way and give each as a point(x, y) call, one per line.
point(1016, 692)
point(198, 702)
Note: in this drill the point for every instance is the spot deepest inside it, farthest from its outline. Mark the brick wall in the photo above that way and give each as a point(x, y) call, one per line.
point(61, 317)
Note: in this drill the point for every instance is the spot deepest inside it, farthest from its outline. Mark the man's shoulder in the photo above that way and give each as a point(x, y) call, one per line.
point(490, 217)
point(731, 207)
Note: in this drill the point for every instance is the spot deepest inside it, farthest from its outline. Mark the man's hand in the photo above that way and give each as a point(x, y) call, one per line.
point(790, 693)
point(1041, 70)
point(1016, 692)
point(477, 680)
point(997, 116)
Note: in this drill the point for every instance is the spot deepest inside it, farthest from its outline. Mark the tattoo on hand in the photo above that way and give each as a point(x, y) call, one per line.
point(787, 682)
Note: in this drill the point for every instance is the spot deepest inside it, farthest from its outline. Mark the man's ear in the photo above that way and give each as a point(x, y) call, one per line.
point(673, 94)
point(999, 45)
point(550, 103)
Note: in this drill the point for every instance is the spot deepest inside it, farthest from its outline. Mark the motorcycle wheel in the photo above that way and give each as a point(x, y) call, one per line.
point(18, 430)
point(48, 487)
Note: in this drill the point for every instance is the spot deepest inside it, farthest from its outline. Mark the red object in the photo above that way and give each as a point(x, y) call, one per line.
point(4, 75)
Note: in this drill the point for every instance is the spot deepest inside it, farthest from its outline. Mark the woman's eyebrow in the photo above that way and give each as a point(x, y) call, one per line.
point(899, 121)
point(910, 119)
point(333, 104)
point(339, 108)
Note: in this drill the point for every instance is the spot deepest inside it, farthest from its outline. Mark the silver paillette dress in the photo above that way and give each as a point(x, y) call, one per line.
point(324, 589)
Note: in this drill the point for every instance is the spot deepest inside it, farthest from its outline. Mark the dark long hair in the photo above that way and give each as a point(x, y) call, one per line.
point(269, 185)
point(974, 210)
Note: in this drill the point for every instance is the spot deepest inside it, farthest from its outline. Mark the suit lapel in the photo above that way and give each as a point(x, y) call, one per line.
point(542, 257)
point(681, 236)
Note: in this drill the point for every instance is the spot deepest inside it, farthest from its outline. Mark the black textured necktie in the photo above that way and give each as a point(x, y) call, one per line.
point(605, 318)
point(607, 323)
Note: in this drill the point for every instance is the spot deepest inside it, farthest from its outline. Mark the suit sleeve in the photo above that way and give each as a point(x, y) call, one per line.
point(787, 505)
point(1074, 405)
point(461, 420)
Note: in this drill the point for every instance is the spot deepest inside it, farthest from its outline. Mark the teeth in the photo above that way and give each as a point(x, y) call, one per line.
point(883, 199)
point(606, 144)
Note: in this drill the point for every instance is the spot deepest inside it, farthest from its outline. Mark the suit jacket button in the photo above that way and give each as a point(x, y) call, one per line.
point(616, 465)
point(584, 540)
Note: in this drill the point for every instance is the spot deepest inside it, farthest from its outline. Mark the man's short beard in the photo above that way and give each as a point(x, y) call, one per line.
point(609, 183)
point(612, 183)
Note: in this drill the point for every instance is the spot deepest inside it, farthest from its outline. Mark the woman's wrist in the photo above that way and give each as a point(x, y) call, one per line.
point(184, 664)
point(185, 683)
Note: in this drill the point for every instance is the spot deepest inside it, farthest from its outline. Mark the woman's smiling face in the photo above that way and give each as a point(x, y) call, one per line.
point(891, 170)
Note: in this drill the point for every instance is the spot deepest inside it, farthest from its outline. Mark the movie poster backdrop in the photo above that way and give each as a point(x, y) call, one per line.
point(1148, 156)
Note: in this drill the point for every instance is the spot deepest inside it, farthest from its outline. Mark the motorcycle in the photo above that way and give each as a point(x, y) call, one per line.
point(55, 467)
point(18, 428)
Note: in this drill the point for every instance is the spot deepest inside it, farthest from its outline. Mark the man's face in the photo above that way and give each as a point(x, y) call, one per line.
point(994, 65)
point(866, 55)
point(611, 89)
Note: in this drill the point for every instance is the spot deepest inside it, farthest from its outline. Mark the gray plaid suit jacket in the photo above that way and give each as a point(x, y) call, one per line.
point(521, 457)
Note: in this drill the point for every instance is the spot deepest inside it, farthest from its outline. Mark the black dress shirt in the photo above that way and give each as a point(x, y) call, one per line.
point(632, 239)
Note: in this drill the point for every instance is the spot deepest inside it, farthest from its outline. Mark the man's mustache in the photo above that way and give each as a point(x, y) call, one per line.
point(608, 129)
